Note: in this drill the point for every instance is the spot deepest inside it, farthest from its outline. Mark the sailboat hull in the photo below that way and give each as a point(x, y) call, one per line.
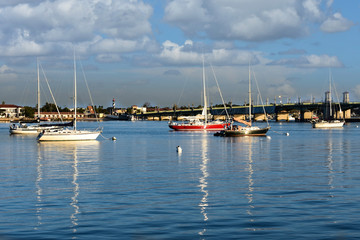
point(244, 131)
point(24, 131)
point(328, 124)
point(36, 129)
point(198, 126)
point(68, 135)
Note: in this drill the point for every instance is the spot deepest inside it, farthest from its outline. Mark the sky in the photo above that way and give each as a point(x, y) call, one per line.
point(152, 51)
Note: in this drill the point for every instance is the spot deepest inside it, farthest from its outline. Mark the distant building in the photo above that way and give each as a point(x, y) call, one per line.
point(90, 113)
point(116, 111)
point(10, 111)
point(136, 109)
point(89, 110)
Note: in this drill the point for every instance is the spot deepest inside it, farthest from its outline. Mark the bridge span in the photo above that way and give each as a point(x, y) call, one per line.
point(278, 112)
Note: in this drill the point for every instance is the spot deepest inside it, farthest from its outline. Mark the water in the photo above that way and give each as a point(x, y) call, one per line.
point(306, 185)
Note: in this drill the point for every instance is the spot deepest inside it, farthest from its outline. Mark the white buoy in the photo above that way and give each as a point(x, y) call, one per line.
point(179, 149)
point(357, 126)
point(268, 137)
point(113, 138)
point(287, 134)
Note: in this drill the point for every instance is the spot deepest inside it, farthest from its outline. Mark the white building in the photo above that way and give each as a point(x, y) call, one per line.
point(10, 111)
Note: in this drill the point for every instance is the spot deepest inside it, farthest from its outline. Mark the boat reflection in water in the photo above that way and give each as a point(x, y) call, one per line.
point(250, 170)
point(250, 147)
point(39, 192)
point(62, 160)
point(203, 180)
point(335, 152)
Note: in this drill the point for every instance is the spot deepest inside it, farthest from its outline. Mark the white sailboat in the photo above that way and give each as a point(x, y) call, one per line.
point(23, 128)
point(328, 121)
point(70, 134)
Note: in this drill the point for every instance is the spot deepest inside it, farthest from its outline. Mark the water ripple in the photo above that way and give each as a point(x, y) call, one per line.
point(304, 186)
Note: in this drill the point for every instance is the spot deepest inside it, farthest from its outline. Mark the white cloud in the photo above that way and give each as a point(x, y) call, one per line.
point(38, 27)
point(188, 54)
point(312, 8)
point(5, 69)
point(329, 3)
point(173, 53)
point(7, 75)
point(249, 20)
point(336, 23)
point(114, 45)
point(189, 14)
point(322, 61)
point(259, 20)
point(282, 88)
point(108, 58)
point(270, 24)
point(310, 61)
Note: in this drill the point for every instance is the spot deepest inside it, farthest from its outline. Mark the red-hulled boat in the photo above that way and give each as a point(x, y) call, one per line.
point(202, 123)
point(199, 125)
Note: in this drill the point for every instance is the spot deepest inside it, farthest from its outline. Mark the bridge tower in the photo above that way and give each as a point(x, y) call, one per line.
point(346, 98)
point(327, 108)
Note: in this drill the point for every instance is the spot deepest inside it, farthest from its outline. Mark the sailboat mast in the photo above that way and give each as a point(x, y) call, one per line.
point(75, 103)
point(205, 100)
point(249, 94)
point(38, 88)
point(330, 94)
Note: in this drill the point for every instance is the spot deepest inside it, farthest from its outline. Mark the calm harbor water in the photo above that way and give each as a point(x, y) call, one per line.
point(306, 185)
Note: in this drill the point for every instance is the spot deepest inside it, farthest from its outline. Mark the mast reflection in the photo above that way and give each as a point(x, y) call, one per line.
point(330, 164)
point(74, 198)
point(38, 188)
point(249, 146)
point(248, 141)
point(203, 180)
point(74, 152)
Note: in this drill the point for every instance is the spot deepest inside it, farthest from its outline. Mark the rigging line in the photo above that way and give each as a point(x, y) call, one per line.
point(88, 89)
point(182, 92)
point(111, 138)
point(25, 93)
point(57, 109)
point(43, 91)
point(287, 134)
point(337, 96)
point(217, 84)
point(261, 100)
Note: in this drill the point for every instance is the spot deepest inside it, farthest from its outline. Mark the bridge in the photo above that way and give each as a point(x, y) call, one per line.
point(278, 112)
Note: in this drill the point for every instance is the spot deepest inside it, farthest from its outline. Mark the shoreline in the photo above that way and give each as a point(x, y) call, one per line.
point(30, 120)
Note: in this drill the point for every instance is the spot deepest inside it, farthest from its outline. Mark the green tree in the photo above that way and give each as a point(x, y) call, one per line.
point(146, 104)
point(129, 110)
point(49, 107)
point(100, 109)
point(29, 112)
point(65, 109)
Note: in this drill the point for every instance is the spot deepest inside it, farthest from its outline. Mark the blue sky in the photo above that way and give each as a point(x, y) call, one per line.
point(139, 51)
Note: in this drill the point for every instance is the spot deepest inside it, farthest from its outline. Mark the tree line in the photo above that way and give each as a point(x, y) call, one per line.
point(51, 107)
